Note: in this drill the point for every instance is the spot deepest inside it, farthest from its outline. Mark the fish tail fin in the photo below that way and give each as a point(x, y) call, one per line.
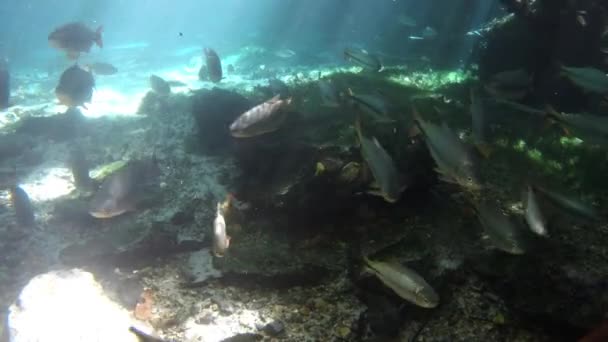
point(98, 39)
point(381, 67)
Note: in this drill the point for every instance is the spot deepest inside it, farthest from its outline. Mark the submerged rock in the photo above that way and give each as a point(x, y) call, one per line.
point(67, 305)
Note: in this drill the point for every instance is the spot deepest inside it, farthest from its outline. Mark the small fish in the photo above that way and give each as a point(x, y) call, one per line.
point(75, 38)
point(125, 189)
point(428, 33)
point(80, 170)
point(363, 59)
point(406, 283)
point(221, 241)
point(5, 87)
point(534, 217)
point(570, 204)
point(329, 94)
point(479, 124)
point(24, 213)
point(382, 167)
point(373, 105)
point(75, 87)
point(214, 65)
point(159, 85)
point(454, 160)
point(503, 233)
point(264, 118)
point(285, 53)
point(101, 68)
point(589, 79)
point(586, 124)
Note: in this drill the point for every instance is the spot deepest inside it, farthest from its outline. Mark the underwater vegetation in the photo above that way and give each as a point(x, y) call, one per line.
point(250, 190)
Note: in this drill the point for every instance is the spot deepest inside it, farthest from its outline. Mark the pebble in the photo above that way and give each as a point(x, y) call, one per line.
point(273, 328)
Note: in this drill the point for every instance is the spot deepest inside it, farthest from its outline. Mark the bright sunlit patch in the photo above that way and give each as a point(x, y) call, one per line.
point(48, 184)
point(223, 327)
point(109, 102)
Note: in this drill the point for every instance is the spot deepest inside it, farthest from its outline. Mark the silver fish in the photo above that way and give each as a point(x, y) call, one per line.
point(534, 217)
point(382, 167)
point(503, 233)
point(221, 241)
point(264, 118)
point(570, 204)
point(373, 105)
point(406, 283)
point(363, 59)
point(589, 79)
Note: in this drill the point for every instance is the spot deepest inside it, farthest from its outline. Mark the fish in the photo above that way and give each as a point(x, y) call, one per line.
point(509, 84)
point(221, 241)
point(533, 214)
point(24, 212)
point(373, 105)
point(329, 94)
point(382, 167)
point(364, 59)
point(570, 204)
point(479, 124)
point(264, 118)
point(407, 21)
point(5, 84)
point(75, 87)
point(404, 281)
point(214, 65)
point(159, 85)
point(586, 124)
point(501, 231)
point(80, 170)
point(455, 163)
point(125, 189)
point(589, 79)
point(428, 33)
point(285, 53)
point(101, 68)
point(75, 38)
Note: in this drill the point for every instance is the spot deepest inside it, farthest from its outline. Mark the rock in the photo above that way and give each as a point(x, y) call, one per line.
point(214, 110)
point(67, 305)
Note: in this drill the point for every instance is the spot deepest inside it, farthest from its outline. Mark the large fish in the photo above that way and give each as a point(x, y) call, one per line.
point(264, 118)
point(406, 283)
point(570, 204)
point(5, 87)
point(454, 160)
point(75, 38)
point(214, 65)
point(382, 167)
point(221, 241)
point(373, 105)
point(363, 59)
point(588, 125)
point(589, 79)
point(125, 189)
point(501, 231)
point(75, 87)
point(509, 84)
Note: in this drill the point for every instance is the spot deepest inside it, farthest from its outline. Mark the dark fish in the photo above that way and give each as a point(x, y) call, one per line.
point(101, 68)
point(221, 241)
point(364, 59)
point(278, 87)
point(80, 170)
point(74, 38)
point(176, 83)
point(123, 190)
point(145, 337)
point(264, 118)
point(159, 85)
point(5, 89)
point(589, 79)
point(214, 65)
point(22, 205)
point(75, 87)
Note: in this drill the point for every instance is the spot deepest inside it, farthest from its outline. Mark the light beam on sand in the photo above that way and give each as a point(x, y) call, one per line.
point(48, 184)
point(109, 102)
